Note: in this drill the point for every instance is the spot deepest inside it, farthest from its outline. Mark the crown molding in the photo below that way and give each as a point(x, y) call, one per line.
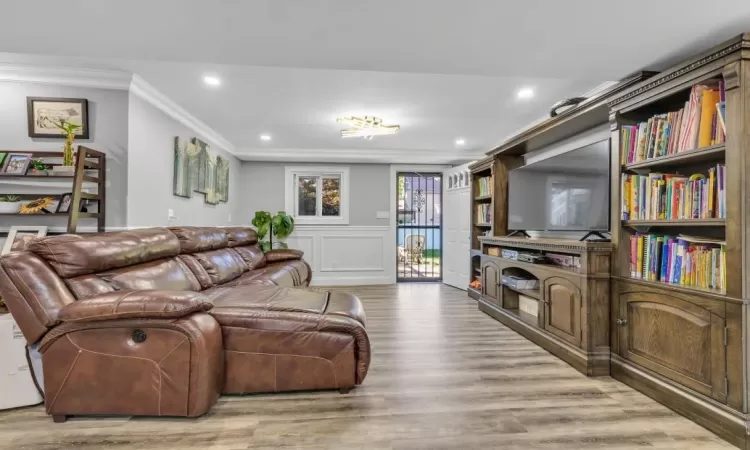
point(365, 156)
point(119, 80)
point(142, 89)
point(66, 76)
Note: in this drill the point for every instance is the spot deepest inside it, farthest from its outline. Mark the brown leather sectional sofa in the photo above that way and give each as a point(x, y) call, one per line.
point(162, 321)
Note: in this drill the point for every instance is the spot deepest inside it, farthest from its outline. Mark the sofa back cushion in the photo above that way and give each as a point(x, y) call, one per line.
point(200, 239)
point(33, 292)
point(240, 236)
point(74, 255)
point(252, 255)
point(219, 266)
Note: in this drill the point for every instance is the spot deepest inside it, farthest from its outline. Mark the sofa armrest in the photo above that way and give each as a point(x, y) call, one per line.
point(283, 254)
point(137, 304)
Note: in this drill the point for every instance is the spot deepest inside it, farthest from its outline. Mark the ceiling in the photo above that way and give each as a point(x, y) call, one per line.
point(442, 69)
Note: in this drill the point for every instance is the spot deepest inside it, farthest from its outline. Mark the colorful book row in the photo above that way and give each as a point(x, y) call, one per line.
point(660, 196)
point(484, 213)
point(484, 186)
point(681, 260)
point(701, 123)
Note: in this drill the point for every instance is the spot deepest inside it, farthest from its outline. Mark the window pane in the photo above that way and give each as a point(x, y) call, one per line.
point(332, 196)
point(307, 189)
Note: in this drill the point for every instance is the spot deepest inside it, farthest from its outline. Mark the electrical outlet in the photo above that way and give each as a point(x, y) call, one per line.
point(170, 214)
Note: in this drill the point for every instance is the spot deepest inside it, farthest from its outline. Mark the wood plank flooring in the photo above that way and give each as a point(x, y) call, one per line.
point(443, 376)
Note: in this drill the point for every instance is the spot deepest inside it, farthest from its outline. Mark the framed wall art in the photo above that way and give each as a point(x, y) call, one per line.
point(45, 112)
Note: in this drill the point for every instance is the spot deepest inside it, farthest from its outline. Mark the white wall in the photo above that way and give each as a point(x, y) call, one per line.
point(357, 253)
point(151, 136)
point(108, 122)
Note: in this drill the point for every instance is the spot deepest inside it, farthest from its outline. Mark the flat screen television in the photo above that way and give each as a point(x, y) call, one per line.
point(567, 192)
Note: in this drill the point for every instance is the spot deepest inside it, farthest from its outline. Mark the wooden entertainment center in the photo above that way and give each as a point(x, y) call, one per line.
point(682, 341)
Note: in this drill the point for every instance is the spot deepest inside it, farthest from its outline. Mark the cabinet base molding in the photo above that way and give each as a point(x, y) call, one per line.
point(727, 423)
point(590, 364)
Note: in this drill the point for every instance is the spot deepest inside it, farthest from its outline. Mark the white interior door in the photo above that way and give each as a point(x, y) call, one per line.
point(464, 238)
point(456, 231)
point(451, 245)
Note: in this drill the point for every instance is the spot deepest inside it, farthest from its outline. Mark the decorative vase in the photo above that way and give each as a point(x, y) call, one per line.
point(9, 207)
point(38, 172)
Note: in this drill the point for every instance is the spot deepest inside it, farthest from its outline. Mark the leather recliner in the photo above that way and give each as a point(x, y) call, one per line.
point(162, 321)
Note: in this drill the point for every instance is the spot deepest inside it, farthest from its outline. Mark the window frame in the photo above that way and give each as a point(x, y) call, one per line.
point(291, 194)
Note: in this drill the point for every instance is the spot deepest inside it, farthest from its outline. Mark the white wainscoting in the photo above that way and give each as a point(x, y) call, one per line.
point(346, 255)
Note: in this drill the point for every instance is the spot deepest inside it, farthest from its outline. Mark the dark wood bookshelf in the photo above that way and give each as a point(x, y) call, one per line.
point(681, 159)
point(676, 223)
point(684, 345)
point(85, 159)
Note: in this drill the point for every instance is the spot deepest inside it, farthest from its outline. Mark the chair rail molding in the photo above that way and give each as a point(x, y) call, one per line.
point(346, 255)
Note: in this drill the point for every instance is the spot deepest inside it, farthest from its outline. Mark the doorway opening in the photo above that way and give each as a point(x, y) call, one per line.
point(419, 224)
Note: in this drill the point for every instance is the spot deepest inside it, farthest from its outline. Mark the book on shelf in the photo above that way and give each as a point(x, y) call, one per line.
point(484, 213)
point(484, 186)
point(700, 123)
point(668, 196)
point(681, 260)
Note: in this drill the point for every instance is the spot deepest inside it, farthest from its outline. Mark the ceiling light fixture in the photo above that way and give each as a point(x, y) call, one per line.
point(525, 93)
point(211, 80)
point(366, 127)
point(265, 137)
point(460, 141)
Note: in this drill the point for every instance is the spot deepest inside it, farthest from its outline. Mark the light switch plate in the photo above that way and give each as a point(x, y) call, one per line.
point(382, 215)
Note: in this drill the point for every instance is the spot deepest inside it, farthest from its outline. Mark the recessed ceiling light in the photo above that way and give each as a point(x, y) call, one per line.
point(265, 137)
point(525, 93)
point(460, 141)
point(211, 80)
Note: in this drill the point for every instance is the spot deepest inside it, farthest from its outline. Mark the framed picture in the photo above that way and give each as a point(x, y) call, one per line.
point(64, 205)
point(19, 237)
point(44, 112)
point(16, 164)
point(200, 166)
point(2, 159)
point(183, 152)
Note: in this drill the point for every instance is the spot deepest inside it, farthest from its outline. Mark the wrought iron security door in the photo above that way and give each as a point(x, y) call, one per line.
point(419, 199)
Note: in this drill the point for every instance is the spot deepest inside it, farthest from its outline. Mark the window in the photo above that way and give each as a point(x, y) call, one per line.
point(318, 195)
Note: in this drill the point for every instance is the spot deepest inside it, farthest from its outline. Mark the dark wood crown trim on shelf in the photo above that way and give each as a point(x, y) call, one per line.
point(714, 153)
point(719, 52)
point(584, 116)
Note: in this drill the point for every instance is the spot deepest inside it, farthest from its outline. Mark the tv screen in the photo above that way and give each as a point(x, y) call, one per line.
point(568, 192)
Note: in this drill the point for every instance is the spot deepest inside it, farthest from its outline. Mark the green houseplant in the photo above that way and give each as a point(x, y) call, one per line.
point(69, 130)
point(10, 204)
point(279, 226)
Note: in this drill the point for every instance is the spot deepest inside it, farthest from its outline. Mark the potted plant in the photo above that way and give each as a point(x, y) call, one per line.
point(280, 226)
point(38, 167)
point(10, 204)
point(69, 130)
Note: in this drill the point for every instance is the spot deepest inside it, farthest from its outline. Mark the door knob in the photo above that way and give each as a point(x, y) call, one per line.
point(622, 322)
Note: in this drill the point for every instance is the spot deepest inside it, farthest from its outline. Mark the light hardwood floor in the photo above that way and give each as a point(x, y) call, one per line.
point(443, 375)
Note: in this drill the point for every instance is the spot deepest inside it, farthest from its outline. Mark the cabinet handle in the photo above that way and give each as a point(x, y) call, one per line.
point(622, 322)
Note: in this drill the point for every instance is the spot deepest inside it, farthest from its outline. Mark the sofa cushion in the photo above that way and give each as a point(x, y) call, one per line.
point(221, 265)
point(299, 270)
point(252, 255)
point(241, 236)
point(200, 239)
point(165, 274)
point(74, 255)
point(271, 298)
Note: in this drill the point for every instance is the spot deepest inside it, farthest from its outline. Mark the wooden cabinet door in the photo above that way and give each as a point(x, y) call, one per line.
point(491, 282)
point(675, 338)
point(562, 309)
